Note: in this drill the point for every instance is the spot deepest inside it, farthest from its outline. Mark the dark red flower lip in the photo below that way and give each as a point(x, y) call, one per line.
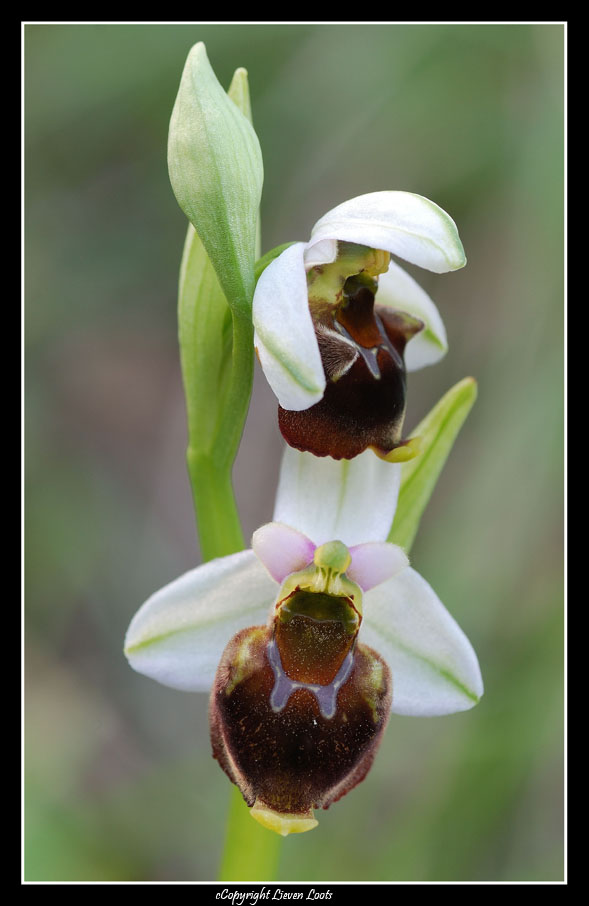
point(295, 755)
point(364, 402)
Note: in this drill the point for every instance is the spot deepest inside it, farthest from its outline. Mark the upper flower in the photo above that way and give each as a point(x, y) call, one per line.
point(333, 317)
point(277, 626)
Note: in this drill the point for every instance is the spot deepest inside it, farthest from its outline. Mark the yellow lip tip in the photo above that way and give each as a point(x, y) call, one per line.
point(283, 824)
point(409, 449)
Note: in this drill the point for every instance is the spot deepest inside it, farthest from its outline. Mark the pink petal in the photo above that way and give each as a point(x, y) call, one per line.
point(283, 550)
point(375, 562)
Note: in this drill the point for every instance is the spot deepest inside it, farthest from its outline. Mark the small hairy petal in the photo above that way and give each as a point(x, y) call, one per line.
point(375, 562)
point(337, 353)
point(283, 550)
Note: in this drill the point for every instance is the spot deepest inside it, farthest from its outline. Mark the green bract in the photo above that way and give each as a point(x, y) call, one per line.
point(217, 370)
point(437, 433)
point(215, 166)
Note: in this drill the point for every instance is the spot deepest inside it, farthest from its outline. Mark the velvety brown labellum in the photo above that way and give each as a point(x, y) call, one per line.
point(270, 732)
point(363, 406)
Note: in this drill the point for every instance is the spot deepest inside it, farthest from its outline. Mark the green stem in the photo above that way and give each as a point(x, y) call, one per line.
point(210, 460)
point(251, 852)
point(218, 523)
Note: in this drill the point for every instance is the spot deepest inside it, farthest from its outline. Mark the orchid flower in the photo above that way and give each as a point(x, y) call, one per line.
point(308, 640)
point(333, 317)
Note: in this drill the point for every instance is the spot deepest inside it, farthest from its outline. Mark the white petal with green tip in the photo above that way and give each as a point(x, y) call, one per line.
point(433, 665)
point(179, 634)
point(407, 225)
point(285, 336)
point(399, 290)
point(347, 500)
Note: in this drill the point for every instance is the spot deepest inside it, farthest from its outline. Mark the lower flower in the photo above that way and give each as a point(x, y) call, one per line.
point(292, 759)
point(299, 701)
point(298, 707)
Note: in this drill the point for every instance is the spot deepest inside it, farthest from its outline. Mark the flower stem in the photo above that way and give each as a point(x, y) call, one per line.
point(210, 460)
point(251, 852)
point(218, 523)
point(217, 356)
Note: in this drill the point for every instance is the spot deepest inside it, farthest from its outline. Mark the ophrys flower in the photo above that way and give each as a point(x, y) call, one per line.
point(338, 322)
point(308, 641)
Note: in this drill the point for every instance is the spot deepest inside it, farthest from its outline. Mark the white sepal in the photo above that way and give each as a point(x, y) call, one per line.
point(352, 501)
point(402, 223)
point(397, 289)
point(434, 668)
point(284, 333)
point(179, 634)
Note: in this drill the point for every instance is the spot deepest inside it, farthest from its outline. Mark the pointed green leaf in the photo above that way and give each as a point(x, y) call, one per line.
point(437, 432)
point(216, 171)
point(239, 92)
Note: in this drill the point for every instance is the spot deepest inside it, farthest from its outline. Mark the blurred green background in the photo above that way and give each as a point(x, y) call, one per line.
point(120, 783)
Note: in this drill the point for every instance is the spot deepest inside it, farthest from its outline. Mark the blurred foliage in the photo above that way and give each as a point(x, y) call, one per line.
point(120, 784)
